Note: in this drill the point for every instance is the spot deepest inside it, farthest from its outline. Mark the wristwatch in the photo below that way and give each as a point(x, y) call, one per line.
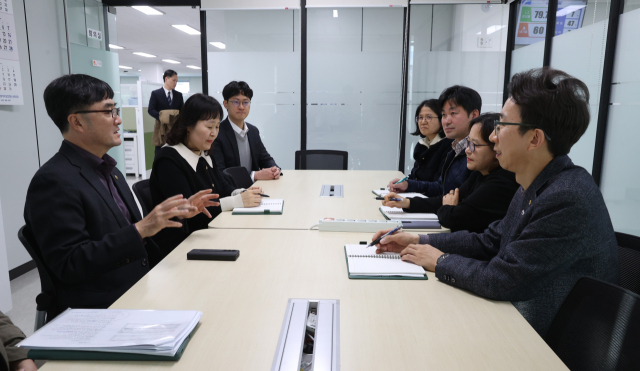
point(441, 258)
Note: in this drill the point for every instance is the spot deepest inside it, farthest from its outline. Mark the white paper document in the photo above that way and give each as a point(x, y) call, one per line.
point(273, 205)
point(397, 213)
point(159, 332)
point(382, 193)
point(363, 261)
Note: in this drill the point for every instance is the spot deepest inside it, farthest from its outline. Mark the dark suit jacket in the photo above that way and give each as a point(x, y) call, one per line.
point(92, 252)
point(225, 148)
point(159, 102)
point(428, 161)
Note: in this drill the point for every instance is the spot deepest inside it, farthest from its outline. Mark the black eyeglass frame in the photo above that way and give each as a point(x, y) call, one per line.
point(472, 146)
point(426, 119)
point(244, 104)
point(497, 122)
point(115, 111)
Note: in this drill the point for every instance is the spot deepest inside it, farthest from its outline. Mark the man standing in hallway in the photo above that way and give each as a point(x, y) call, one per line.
point(239, 143)
point(164, 104)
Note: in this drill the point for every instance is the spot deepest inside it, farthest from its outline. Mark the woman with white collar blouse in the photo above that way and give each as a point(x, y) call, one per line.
point(183, 166)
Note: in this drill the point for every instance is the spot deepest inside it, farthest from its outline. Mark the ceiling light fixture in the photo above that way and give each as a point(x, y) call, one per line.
point(194, 67)
point(146, 55)
point(125, 67)
point(139, 70)
point(170, 61)
point(114, 46)
point(148, 10)
point(218, 44)
point(188, 29)
point(335, 13)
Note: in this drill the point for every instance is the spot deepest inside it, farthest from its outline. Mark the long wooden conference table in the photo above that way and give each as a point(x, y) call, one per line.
point(384, 324)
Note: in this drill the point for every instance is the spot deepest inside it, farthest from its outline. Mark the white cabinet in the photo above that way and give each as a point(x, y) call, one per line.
point(131, 157)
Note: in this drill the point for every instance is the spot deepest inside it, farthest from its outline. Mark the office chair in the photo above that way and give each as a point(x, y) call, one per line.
point(45, 301)
point(142, 190)
point(239, 175)
point(321, 159)
point(597, 328)
point(629, 251)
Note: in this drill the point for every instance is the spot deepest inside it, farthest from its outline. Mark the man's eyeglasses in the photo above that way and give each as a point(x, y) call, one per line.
point(498, 124)
point(472, 146)
point(245, 104)
point(427, 118)
point(114, 111)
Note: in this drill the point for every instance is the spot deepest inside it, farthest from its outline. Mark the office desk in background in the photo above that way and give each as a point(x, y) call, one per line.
point(384, 324)
point(303, 206)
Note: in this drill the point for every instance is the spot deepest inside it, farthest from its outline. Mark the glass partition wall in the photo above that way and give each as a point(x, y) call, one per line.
point(455, 44)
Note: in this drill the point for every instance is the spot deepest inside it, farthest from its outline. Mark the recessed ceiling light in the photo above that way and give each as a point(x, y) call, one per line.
point(335, 13)
point(126, 68)
point(114, 46)
point(146, 55)
point(170, 61)
point(148, 10)
point(218, 44)
point(195, 67)
point(139, 70)
point(188, 29)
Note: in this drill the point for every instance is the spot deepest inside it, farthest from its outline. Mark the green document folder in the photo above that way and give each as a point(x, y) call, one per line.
point(80, 355)
point(358, 277)
point(265, 212)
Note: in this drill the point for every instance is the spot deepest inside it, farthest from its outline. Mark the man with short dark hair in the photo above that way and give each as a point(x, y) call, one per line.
point(163, 104)
point(79, 207)
point(557, 228)
point(239, 143)
point(460, 105)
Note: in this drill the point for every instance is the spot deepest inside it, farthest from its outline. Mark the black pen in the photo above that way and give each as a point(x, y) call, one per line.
point(263, 195)
point(377, 240)
point(391, 199)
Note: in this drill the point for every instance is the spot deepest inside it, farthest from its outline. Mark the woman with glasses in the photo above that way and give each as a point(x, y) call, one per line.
point(483, 198)
point(431, 150)
point(184, 166)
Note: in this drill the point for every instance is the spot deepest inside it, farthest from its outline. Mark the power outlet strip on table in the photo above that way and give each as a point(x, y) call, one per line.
point(353, 225)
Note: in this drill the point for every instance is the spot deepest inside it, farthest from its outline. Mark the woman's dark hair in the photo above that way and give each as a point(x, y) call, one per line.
point(70, 93)
point(486, 120)
point(235, 88)
point(168, 73)
point(435, 106)
point(462, 96)
point(555, 102)
point(198, 107)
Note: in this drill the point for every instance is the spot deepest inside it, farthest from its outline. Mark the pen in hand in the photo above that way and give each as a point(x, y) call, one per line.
point(377, 240)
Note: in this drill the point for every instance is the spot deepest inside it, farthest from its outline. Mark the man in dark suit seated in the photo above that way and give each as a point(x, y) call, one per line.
point(239, 143)
point(557, 228)
point(80, 209)
point(165, 98)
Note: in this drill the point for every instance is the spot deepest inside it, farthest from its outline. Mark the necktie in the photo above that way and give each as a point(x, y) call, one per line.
point(169, 97)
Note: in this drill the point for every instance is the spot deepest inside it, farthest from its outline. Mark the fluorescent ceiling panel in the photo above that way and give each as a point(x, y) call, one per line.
point(188, 29)
point(146, 55)
point(148, 10)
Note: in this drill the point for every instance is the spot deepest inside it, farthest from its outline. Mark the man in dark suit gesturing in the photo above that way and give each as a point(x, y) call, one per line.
point(79, 208)
point(165, 98)
point(239, 143)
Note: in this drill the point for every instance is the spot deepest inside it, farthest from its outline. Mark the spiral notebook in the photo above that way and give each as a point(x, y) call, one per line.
point(273, 206)
point(363, 262)
point(394, 213)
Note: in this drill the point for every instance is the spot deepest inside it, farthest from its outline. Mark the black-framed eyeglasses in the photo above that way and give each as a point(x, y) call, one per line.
point(245, 104)
point(472, 146)
point(115, 111)
point(497, 124)
point(428, 118)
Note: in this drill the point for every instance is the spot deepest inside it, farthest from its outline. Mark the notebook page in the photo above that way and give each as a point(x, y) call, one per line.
point(377, 265)
point(274, 205)
point(397, 213)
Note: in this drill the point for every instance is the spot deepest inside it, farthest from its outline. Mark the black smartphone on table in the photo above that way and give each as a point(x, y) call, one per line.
point(213, 254)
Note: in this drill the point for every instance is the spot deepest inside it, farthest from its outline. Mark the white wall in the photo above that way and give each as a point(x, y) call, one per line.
point(5, 288)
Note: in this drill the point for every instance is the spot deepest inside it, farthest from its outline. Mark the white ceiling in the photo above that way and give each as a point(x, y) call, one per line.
point(153, 34)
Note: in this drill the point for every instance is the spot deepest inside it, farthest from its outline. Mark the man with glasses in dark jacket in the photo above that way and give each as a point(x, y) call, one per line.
point(557, 228)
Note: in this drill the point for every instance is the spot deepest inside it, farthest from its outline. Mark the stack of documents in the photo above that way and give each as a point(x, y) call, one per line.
point(384, 192)
point(394, 213)
point(114, 334)
point(363, 262)
point(273, 206)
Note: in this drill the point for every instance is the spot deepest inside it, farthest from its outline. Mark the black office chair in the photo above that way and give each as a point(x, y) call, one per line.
point(629, 251)
point(142, 190)
point(240, 176)
point(321, 159)
point(45, 301)
point(597, 328)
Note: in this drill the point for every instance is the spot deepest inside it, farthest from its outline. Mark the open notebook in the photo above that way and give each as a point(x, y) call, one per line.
point(394, 213)
point(363, 262)
point(273, 206)
point(384, 192)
